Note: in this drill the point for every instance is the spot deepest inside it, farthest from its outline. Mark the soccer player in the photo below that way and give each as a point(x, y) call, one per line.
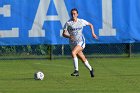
point(77, 41)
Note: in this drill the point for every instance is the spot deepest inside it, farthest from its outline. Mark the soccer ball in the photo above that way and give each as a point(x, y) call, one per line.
point(39, 75)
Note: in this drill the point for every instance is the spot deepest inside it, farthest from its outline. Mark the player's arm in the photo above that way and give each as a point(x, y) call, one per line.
point(65, 34)
point(92, 29)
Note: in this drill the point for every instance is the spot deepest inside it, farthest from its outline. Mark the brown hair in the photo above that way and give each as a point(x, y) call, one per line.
point(74, 9)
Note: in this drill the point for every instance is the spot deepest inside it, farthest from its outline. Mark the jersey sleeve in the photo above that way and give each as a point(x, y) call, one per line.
point(84, 22)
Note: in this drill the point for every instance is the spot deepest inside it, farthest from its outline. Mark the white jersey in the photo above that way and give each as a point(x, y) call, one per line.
point(75, 29)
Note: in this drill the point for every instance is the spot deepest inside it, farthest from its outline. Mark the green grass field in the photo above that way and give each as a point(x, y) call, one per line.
point(112, 75)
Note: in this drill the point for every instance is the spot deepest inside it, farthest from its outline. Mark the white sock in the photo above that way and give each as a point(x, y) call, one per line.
point(75, 62)
point(88, 65)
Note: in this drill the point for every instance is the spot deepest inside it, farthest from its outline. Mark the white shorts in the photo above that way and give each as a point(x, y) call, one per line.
point(81, 43)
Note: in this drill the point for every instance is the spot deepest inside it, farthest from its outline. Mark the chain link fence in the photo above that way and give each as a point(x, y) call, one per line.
point(64, 51)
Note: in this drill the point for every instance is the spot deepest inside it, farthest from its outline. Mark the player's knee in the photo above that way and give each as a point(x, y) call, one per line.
point(73, 53)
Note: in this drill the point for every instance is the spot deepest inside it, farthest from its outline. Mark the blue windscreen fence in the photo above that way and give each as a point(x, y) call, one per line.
point(30, 22)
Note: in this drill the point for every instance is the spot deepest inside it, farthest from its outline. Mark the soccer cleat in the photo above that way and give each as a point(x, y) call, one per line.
point(75, 73)
point(92, 73)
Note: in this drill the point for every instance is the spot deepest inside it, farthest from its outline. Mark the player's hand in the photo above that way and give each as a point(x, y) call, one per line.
point(94, 35)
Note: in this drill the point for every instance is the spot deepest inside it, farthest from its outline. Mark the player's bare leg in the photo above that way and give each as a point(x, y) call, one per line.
point(75, 59)
point(75, 51)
